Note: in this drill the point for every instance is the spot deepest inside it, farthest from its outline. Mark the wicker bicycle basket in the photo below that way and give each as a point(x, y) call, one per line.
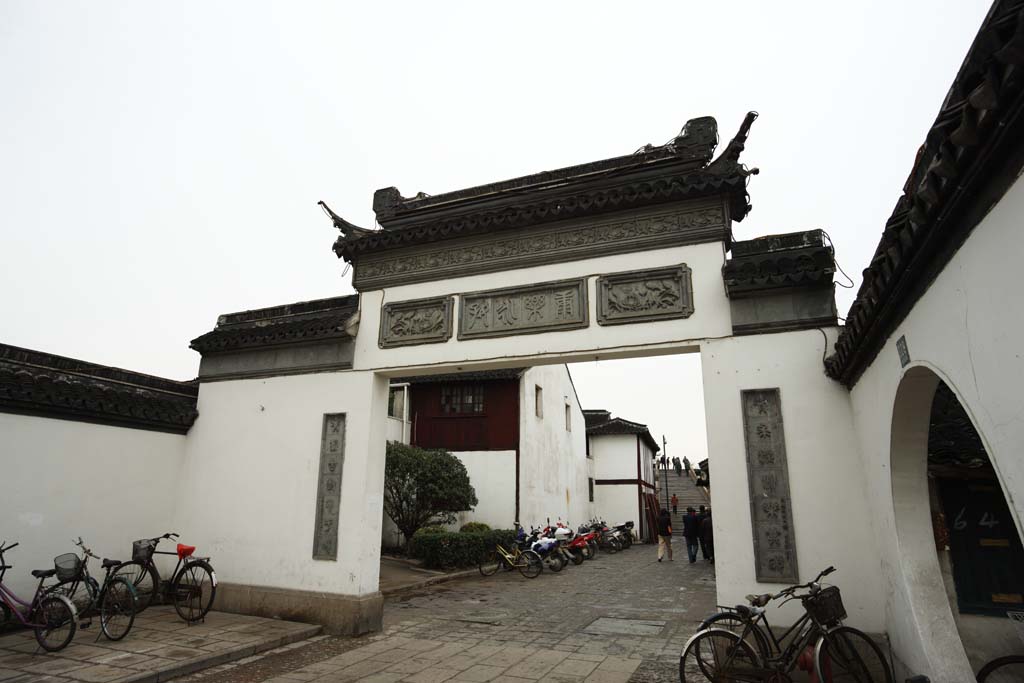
point(142, 551)
point(826, 606)
point(68, 566)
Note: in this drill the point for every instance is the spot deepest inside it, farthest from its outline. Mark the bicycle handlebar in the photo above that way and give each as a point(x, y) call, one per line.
point(792, 589)
point(85, 551)
point(5, 549)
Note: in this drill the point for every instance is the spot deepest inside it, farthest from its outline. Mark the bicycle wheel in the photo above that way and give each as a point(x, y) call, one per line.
point(56, 622)
point(490, 564)
point(530, 565)
point(144, 580)
point(1003, 670)
point(82, 592)
point(117, 608)
point(730, 621)
point(846, 654)
point(194, 589)
point(718, 655)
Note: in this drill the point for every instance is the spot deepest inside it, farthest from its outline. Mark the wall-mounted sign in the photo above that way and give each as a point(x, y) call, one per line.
point(771, 513)
point(901, 348)
point(529, 309)
point(328, 490)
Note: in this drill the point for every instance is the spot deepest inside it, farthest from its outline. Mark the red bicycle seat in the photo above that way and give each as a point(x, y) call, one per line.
point(185, 550)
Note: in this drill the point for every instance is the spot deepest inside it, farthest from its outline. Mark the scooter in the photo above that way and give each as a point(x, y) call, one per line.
point(548, 550)
point(625, 534)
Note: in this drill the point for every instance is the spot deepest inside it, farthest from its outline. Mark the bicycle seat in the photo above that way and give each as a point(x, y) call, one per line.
point(110, 563)
point(185, 550)
point(43, 573)
point(748, 612)
point(759, 600)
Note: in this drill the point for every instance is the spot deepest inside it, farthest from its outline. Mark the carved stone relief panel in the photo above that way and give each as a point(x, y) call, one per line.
point(644, 295)
point(768, 479)
point(699, 222)
point(418, 321)
point(543, 307)
point(328, 490)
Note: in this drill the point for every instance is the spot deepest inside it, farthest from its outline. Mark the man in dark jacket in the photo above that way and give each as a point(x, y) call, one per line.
point(703, 512)
point(664, 534)
point(707, 537)
point(691, 530)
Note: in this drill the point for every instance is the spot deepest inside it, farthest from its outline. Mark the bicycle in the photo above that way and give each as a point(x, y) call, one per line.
point(1009, 668)
point(839, 652)
point(192, 587)
point(527, 562)
point(51, 617)
point(114, 600)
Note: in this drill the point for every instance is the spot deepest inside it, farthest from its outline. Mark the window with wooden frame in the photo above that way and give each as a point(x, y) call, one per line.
point(462, 399)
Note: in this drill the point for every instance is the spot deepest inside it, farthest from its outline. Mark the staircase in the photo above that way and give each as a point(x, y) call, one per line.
point(688, 493)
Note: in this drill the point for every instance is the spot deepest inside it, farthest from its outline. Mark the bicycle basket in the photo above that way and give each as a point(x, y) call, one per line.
point(68, 566)
point(826, 606)
point(142, 551)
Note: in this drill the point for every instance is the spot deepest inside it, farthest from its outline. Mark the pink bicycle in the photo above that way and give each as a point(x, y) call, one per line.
point(52, 617)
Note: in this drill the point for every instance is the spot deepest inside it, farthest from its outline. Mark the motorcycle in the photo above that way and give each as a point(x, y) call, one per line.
point(625, 534)
point(607, 539)
point(548, 549)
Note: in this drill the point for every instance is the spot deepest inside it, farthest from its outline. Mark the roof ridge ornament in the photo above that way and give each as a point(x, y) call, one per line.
point(728, 162)
point(348, 230)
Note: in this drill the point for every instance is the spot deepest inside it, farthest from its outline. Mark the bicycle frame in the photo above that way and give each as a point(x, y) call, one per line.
point(787, 657)
point(13, 601)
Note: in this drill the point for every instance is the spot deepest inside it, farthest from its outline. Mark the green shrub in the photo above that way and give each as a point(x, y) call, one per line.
point(464, 549)
point(474, 528)
point(433, 529)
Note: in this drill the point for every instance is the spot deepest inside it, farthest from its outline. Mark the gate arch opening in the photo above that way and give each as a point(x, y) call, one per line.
point(959, 547)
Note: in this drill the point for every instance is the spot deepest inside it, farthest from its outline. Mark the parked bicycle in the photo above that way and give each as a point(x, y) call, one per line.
point(192, 587)
point(114, 600)
point(526, 561)
point(740, 645)
point(51, 617)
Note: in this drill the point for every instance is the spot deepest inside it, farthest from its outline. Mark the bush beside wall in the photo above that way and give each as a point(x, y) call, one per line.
point(450, 550)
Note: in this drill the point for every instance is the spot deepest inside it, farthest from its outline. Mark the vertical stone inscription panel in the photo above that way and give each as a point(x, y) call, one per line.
point(328, 490)
point(771, 512)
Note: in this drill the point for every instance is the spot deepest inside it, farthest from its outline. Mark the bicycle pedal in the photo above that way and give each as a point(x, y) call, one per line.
point(85, 625)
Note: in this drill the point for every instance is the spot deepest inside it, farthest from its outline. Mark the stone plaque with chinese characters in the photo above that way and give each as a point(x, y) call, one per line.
point(529, 309)
point(644, 296)
point(771, 513)
point(419, 321)
point(328, 490)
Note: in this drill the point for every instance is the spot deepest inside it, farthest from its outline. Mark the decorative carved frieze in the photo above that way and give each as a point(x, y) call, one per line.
point(328, 490)
point(417, 321)
point(702, 222)
point(644, 295)
point(543, 307)
point(771, 514)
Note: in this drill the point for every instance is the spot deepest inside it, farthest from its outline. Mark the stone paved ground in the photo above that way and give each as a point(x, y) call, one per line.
point(619, 618)
point(158, 646)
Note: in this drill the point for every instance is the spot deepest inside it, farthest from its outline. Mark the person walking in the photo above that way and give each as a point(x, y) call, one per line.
point(707, 537)
point(664, 534)
point(675, 504)
point(701, 514)
point(691, 530)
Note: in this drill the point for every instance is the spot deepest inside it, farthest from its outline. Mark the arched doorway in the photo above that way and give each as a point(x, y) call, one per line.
point(960, 552)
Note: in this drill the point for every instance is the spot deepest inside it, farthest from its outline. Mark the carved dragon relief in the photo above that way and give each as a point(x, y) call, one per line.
point(419, 321)
point(644, 296)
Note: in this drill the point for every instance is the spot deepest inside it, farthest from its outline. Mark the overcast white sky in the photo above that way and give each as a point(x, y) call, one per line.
point(160, 163)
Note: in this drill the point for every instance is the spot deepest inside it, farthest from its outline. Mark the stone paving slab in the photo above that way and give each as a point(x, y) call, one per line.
point(507, 628)
point(159, 647)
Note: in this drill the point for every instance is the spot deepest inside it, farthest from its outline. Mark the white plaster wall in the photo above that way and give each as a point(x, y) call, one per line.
point(615, 458)
point(247, 495)
point(827, 484)
point(710, 318)
point(552, 459)
point(63, 479)
point(493, 475)
point(967, 328)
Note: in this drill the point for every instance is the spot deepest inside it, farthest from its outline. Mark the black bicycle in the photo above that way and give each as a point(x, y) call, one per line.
point(739, 644)
point(192, 587)
point(114, 600)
